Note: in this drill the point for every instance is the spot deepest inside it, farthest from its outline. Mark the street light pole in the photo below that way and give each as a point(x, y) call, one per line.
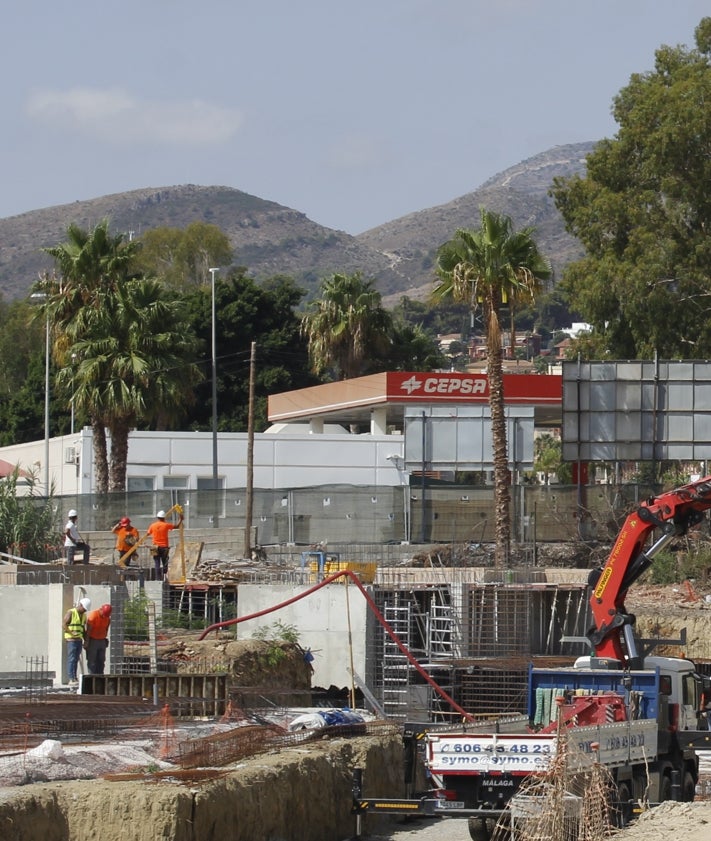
point(71, 425)
point(213, 272)
point(46, 405)
point(41, 297)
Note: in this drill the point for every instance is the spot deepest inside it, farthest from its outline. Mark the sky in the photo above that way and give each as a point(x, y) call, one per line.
point(354, 113)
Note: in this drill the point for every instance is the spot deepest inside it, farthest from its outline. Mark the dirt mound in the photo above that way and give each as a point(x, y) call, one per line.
point(687, 821)
point(272, 664)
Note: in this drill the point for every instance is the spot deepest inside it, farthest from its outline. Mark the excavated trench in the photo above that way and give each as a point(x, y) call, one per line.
point(299, 794)
point(118, 769)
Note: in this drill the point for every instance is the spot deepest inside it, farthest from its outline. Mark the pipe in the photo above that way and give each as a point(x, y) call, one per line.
point(378, 615)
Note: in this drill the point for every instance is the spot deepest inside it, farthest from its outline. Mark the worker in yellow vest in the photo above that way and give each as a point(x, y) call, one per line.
point(74, 625)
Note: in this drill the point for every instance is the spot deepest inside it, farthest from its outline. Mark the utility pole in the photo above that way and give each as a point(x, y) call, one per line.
point(216, 499)
point(250, 456)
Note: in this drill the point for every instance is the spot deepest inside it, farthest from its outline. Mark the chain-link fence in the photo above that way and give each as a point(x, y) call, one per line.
point(379, 515)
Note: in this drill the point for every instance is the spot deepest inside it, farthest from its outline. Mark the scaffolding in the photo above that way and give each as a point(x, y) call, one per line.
point(476, 639)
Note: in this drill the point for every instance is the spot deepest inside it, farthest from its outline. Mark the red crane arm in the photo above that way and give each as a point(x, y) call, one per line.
point(672, 513)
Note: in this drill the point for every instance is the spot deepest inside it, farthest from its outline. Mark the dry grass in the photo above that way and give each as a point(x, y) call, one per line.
point(564, 804)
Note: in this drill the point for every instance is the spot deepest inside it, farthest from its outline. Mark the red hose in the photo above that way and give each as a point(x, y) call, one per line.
point(378, 615)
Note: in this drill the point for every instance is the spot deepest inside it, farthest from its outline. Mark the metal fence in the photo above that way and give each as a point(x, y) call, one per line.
point(379, 515)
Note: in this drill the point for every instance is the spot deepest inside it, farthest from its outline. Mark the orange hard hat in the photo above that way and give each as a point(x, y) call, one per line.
point(105, 610)
point(124, 521)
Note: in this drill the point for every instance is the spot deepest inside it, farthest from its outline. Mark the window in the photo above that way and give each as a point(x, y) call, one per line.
point(178, 483)
point(135, 484)
point(178, 486)
point(210, 502)
point(690, 691)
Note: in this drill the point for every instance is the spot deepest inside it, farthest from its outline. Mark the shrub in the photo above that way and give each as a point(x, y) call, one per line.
point(28, 526)
point(276, 635)
point(136, 617)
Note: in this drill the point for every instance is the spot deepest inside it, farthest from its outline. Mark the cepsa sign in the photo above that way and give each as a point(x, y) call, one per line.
point(429, 387)
point(526, 389)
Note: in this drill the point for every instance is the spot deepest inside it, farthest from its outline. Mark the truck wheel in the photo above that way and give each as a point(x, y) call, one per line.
point(622, 813)
point(480, 829)
point(688, 787)
point(665, 788)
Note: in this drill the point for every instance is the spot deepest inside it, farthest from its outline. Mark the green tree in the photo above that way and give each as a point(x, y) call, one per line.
point(133, 348)
point(444, 318)
point(22, 345)
point(246, 312)
point(346, 327)
point(412, 348)
point(89, 264)
point(643, 213)
point(19, 337)
point(547, 455)
point(182, 257)
point(486, 266)
point(136, 363)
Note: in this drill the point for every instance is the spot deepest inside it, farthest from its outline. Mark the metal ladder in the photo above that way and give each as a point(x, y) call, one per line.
point(440, 644)
point(396, 669)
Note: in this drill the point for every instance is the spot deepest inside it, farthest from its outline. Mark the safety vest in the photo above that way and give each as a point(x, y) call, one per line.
point(97, 625)
point(76, 626)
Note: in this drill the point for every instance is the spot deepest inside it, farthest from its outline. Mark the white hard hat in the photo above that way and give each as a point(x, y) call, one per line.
point(85, 603)
point(161, 514)
point(72, 513)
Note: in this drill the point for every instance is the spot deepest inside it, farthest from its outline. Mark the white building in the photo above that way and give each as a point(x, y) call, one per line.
point(350, 432)
point(183, 460)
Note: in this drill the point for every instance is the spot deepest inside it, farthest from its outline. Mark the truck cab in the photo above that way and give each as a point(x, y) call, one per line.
point(682, 691)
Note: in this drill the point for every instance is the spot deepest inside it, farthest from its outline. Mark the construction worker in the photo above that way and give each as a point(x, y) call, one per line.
point(74, 625)
point(73, 540)
point(96, 640)
point(160, 533)
point(127, 537)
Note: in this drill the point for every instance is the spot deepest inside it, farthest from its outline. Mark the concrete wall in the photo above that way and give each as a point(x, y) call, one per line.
point(226, 539)
point(331, 622)
point(31, 624)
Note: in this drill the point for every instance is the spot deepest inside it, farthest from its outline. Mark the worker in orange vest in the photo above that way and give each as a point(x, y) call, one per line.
point(97, 640)
point(127, 537)
point(160, 533)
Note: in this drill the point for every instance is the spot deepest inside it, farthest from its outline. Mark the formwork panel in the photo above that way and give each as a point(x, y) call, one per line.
point(189, 695)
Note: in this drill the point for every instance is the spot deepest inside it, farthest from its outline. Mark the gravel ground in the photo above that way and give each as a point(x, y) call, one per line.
point(687, 821)
point(419, 829)
point(683, 821)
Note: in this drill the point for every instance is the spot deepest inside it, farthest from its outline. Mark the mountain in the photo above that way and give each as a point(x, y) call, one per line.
point(271, 239)
point(521, 192)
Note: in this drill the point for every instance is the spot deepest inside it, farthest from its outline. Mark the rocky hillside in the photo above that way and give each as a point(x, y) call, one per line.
point(271, 239)
point(520, 191)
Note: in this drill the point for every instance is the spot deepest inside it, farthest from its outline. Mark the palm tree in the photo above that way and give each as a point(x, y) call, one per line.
point(88, 264)
point(133, 346)
point(484, 267)
point(346, 326)
point(136, 356)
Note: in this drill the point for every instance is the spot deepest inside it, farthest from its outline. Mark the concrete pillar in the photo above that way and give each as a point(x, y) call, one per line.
point(378, 421)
